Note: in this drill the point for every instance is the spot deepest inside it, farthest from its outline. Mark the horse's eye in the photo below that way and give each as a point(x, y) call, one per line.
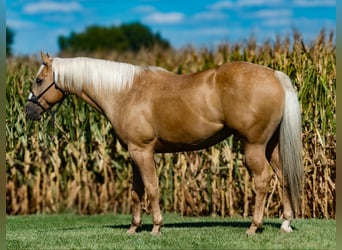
point(39, 80)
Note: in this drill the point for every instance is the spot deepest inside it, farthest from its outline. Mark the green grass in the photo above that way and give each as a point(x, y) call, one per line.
point(68, 231)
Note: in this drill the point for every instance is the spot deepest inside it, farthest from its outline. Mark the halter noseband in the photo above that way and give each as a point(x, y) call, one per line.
point(35, 99)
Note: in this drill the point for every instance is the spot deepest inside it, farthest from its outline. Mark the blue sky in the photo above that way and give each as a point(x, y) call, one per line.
point(37, 24)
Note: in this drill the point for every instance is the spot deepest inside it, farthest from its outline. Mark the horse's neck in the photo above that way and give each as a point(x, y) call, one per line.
point(95, 95)
point(95, 81)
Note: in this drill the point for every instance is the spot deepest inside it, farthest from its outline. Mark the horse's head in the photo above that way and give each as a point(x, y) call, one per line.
point(45, 92)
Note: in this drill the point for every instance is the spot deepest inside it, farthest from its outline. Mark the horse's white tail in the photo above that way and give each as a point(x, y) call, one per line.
point(290, 141)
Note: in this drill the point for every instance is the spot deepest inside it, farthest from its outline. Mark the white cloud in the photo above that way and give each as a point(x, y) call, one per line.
point(210, 15)
point(248, 3)
point(314, 3)
point(50, 6)
point(164, 18)
point(19, 24)
point(272, 13)
point(221, 5)
point(229, 4)
point(144, 9)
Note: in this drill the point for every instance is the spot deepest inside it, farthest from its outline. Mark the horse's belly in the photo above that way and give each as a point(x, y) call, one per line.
point(188, 122)
point(189, 140)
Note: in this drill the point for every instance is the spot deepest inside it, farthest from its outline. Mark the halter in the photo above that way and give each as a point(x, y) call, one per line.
point(35, 99)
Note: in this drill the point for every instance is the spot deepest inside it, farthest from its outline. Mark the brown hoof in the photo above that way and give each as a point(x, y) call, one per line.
point(156, 233)
point(251, 231)
point(133, 229)
point(130, 231)
point(156, 230)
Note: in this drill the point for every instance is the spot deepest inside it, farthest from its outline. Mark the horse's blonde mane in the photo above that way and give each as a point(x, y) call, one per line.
point(74, 73)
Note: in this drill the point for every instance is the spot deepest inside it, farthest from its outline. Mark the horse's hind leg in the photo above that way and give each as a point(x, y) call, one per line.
point(257, 162)
point(273, 152)
point(137, 194)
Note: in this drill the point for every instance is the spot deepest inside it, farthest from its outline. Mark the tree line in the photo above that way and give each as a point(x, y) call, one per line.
point(9, 41)
point(125, 37)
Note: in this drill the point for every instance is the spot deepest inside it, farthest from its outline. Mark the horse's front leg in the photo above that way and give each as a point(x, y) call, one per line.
point(143, 157)
point(137, 194)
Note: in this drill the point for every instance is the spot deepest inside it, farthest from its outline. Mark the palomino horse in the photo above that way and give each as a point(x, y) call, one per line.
point(153, 110)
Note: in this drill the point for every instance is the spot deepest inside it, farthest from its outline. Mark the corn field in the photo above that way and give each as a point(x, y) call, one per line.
point(76, 164)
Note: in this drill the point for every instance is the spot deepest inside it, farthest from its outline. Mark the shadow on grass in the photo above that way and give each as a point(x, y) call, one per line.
point(229, 224)
point(198, 224)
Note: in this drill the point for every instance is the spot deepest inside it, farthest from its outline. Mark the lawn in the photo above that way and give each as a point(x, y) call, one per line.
point(69, 231)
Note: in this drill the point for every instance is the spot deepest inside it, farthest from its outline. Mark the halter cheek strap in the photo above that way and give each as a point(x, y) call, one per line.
point(35, 99)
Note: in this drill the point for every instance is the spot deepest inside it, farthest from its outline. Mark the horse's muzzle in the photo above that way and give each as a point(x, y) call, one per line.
point(33, 111)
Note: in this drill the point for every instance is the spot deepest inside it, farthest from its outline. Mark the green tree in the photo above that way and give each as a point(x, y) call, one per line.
point(125, 37)
point(9, 41)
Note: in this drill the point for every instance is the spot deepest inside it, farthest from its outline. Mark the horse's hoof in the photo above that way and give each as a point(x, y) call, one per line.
point(251, 231)
point(156, 233)
point(133, 229)
point(250, 234)
point(285, 227)
point(288, 230)
point(156, 230)
point(130, 231)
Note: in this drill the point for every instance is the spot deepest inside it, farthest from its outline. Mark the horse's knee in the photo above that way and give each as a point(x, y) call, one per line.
point(152, 192)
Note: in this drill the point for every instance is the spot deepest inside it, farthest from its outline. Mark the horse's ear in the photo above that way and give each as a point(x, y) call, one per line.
point(45, 58)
